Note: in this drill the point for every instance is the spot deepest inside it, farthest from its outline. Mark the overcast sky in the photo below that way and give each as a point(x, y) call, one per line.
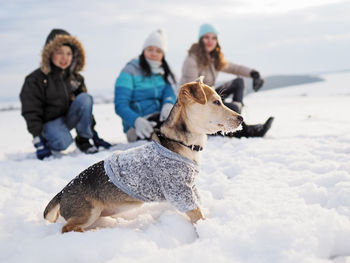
point(273, 36)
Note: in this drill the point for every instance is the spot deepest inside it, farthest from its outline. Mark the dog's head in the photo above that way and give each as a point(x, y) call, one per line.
point(204, 109)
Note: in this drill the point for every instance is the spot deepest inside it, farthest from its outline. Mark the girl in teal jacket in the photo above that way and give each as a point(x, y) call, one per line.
point(143, 88)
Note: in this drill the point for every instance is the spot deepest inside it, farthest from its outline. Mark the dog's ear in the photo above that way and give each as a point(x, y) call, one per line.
point(192, 91)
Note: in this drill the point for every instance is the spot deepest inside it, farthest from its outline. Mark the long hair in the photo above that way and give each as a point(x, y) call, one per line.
point(147, 69)
point(203, 60)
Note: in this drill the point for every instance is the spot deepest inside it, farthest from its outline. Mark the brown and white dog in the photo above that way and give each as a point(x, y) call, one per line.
point(198, 111)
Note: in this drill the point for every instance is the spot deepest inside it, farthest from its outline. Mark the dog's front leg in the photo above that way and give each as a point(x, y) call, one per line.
point(195, 215)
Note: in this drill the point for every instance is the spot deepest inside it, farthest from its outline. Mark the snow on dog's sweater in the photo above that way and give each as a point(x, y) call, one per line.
point(151, 172)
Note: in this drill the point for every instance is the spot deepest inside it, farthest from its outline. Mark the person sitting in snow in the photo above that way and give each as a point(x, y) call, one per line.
point(54, 99)
point(143, 92)
point(206, 59)
point(144, 96)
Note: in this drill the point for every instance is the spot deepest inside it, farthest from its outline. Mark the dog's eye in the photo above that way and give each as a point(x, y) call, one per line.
point(217, 102)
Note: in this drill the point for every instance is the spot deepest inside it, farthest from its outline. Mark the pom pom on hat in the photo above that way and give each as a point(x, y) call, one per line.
point(157, 39)
point(206, 28)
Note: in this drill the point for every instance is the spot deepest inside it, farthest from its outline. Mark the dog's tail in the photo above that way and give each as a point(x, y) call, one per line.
point(52, 209)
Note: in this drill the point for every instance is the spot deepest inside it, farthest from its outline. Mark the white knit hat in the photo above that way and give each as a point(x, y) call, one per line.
point(157, 39)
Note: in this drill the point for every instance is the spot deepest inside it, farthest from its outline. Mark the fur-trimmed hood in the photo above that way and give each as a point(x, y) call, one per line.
point(78, 61)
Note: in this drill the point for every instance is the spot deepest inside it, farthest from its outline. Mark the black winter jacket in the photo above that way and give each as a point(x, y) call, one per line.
point(47, 97)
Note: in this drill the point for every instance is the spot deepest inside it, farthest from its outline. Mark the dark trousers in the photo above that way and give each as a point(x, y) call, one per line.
point(235, 88)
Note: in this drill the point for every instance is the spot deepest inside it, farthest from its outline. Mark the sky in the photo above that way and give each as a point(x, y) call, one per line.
point(272, 36)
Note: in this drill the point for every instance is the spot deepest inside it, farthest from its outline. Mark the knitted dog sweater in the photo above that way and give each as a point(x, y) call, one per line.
point(151, 172)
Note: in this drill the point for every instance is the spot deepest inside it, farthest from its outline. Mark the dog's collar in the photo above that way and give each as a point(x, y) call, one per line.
point(192, 146)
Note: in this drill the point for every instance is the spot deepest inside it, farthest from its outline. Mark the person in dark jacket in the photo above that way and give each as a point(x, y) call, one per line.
point(55, 100)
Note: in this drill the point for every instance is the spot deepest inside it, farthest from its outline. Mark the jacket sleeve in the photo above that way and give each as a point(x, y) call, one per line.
point(82, 87)
point(122, 97)
point(190, 70)
point(236, 69)
point(168, 95)
point(78, 85)
point(32, 100)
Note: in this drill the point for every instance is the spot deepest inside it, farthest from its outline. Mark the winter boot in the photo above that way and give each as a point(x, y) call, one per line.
point(99, 141)
point(84, 145)
point(257, 130)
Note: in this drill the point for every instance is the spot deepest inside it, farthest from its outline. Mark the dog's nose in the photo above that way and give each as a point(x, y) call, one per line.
point(240, 118)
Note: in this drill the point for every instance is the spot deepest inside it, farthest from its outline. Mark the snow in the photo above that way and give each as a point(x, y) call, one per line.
point(281, 198)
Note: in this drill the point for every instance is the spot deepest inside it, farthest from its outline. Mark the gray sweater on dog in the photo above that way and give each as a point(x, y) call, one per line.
point(151, 172)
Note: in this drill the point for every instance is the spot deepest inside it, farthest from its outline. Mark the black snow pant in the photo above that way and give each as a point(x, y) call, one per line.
point(235, 88)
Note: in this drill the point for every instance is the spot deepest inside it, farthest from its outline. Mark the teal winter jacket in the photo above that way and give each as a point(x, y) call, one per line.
point(137, 95)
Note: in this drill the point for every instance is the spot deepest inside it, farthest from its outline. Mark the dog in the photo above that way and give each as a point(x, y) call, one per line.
point(161, 170)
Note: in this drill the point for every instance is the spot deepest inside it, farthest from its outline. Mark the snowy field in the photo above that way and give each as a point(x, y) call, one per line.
point(282, 198)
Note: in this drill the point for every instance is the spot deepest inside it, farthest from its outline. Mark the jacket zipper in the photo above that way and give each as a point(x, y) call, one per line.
point(65, 89)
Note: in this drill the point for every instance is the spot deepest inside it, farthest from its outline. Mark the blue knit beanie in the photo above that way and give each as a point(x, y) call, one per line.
point(206, 28)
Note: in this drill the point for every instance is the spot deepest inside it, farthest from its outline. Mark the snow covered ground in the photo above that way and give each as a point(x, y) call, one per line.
point(282, 198)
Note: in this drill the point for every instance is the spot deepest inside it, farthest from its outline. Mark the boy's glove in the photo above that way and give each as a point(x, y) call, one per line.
point(99, 141)
point(144, 128)
point(42, 150)
point(257, 80)
point(164, 113)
